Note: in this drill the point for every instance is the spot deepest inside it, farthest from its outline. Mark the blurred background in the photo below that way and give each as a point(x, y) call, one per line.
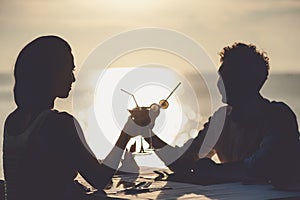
point(272, 25)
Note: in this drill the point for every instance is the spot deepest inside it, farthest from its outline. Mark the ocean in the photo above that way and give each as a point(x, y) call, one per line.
point(279, 87)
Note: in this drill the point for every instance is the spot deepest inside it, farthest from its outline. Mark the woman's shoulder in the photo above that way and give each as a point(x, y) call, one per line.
point(60, 124)
point(61, 120)
point(63, 114)
point(57, 116)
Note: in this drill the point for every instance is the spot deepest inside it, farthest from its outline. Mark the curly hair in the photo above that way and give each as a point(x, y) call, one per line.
point(246, 61)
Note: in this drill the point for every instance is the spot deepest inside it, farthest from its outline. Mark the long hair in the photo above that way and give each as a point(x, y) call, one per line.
point(35, 70)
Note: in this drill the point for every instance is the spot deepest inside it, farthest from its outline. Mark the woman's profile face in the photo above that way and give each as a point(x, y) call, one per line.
point(64, 78)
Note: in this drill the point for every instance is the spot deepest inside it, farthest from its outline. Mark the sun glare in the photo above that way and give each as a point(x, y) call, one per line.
point(111, 103)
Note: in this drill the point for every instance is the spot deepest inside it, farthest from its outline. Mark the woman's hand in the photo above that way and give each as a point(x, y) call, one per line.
point(141, 121)
point(131, 128)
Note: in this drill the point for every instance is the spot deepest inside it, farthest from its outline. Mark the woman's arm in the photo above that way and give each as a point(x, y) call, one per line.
point(66, 131)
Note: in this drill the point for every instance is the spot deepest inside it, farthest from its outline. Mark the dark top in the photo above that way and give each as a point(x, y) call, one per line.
point(262, 139)
point(52, 157)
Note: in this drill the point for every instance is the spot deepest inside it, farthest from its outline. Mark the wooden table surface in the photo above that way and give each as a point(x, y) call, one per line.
point(176, 190)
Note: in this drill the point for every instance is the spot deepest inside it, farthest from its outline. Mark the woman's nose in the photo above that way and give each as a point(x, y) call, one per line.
point(73, 77)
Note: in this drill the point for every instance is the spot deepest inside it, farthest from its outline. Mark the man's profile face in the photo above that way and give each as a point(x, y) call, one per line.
point(230, 85)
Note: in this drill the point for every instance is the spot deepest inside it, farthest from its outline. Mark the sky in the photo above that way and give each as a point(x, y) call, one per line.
point(272, 25)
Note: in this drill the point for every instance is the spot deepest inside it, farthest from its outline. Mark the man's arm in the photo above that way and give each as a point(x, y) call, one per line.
point(177, 157)
point(278, 149)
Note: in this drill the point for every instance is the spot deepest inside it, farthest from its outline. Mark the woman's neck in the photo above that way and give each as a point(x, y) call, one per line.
point(37, 107)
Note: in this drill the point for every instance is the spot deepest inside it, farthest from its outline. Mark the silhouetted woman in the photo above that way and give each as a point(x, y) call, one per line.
point(42, 150)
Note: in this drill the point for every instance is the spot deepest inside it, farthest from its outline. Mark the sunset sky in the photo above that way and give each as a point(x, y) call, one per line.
point(273, 25)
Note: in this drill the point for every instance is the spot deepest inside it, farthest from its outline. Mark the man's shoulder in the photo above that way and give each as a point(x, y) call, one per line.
point(280, 109)
point(279, 114)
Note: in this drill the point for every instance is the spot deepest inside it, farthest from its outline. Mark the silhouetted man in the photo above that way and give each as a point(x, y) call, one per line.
point(259, 140)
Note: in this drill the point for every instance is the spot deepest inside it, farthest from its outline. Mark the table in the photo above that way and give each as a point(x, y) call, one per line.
point(177, 190)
